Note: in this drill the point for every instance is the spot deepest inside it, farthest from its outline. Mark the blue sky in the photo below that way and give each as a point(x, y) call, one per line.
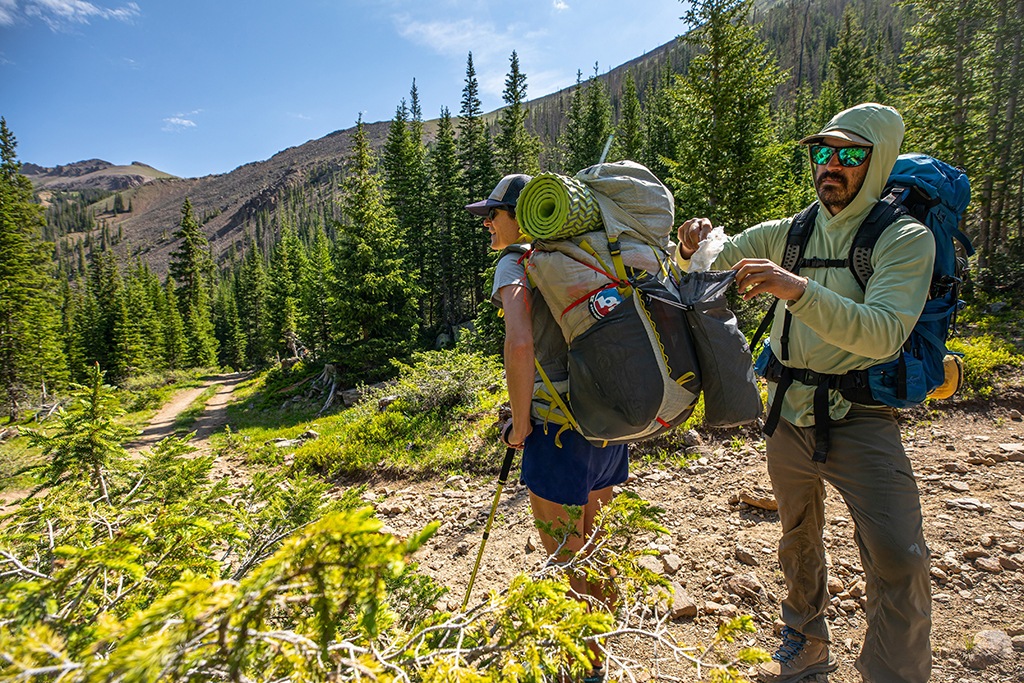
point(195, 87)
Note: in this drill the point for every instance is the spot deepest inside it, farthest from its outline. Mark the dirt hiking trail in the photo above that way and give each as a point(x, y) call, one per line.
point(213, 417)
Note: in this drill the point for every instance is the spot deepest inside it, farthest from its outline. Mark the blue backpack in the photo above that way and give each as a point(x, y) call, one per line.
point(934, 193)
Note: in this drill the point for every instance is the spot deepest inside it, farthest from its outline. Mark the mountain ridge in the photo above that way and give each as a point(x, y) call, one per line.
point(91, 174)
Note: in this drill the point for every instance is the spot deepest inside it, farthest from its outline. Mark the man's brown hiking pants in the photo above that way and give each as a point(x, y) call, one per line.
point(868, 467)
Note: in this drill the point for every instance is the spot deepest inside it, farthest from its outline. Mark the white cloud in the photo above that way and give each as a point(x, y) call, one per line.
point(452, 38)
point(301, 117)
point(561, 5)
point(175, 124)
point(8, 12)
point(490, 44)
point(59, 14)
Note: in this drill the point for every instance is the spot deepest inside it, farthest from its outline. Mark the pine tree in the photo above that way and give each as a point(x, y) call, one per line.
point(944, 76)
point(251, 297)
point(629, 138)
point(476, 153)
point(73, 301)
point(588, 124)
point(571, 141)
point(406, 179)
point(731, 165)
point(175, 347)
point(190, 266)
point(849, 65)
point(128, 355)
point(31, 351)
point(396, 160)
point(286, 267)
point(146, 288)
point(598, 121)
point(136, 334)
point(518, 150)
point(376, 300)
point(228, 328)
point(661, 126)
point(317, 292)
point(451, 263)
point(88, 439)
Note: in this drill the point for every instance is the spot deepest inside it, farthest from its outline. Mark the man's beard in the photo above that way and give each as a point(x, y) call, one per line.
point(834, 198)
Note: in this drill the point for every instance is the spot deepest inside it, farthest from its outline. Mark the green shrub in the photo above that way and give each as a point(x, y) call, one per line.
point(169, 576)
point(984, 355)
point(438, 414)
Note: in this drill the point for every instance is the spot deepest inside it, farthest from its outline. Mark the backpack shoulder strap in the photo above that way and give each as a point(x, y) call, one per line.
point(523, 248)
point(796, 240)
point(882, 215)
point(799, 233)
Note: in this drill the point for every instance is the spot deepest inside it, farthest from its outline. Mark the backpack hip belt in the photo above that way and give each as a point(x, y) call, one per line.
point(852, 385)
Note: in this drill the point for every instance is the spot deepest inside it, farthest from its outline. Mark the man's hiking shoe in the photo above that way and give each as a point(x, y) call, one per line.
point(798, 656)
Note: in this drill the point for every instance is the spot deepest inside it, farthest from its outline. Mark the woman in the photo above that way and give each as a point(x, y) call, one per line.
point(574, 472)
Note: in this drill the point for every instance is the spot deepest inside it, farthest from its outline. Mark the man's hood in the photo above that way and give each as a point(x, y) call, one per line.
point(883, 127)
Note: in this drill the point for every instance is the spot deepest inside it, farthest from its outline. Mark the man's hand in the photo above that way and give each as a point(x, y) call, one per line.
point(690, 234)
point(758, 276)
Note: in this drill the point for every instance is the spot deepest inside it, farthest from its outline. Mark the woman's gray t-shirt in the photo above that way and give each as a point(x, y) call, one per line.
point(549, 345)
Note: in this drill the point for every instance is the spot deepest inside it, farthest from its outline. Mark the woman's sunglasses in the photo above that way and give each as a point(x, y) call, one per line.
point(848, 156)
point(493, 212)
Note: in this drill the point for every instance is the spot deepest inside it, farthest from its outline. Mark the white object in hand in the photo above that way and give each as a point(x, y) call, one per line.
point(707, 251)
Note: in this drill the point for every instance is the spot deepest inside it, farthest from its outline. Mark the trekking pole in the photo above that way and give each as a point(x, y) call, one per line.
point(506, 466)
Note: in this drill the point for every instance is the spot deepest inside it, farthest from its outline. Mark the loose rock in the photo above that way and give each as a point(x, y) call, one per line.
point(672, 563)
point(745, 585)
point(651, 564)
point(989, 564)
point(1010, 564)
point(683, 606)
point(746, 557)
point(990, 648)
point(972, 504)
point(759, 499)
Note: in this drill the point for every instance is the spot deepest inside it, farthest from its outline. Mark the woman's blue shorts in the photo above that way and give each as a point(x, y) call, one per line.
point(567, 475)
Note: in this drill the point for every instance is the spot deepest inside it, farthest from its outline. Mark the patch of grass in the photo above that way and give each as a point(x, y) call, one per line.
point(438, 415)
point(984, 356)
point(188, 417)
point(274, 402)
point(15, 455)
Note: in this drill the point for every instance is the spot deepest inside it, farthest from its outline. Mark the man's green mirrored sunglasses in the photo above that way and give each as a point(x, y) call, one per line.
point(848, 156)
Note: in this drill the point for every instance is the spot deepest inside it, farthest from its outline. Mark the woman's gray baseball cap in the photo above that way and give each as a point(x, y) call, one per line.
point(505, 193)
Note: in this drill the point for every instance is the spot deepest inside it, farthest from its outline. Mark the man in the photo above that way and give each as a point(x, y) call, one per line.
point(835, 327)
point(573, 472)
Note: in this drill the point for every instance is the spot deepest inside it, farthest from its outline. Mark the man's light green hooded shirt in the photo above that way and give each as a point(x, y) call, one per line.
point(837, 326)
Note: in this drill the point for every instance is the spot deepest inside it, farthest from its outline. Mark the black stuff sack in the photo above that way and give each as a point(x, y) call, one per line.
point(731, 394)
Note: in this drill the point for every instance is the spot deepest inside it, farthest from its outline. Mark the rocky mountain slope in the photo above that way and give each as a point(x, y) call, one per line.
point(93, 174)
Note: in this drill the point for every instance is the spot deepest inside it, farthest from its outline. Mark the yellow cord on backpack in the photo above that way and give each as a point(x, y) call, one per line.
point(557, 400)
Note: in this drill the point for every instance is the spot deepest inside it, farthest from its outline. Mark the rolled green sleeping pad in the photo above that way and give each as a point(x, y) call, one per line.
point(554, 207)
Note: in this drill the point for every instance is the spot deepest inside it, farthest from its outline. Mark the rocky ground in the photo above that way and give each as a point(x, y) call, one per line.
point(969, 462)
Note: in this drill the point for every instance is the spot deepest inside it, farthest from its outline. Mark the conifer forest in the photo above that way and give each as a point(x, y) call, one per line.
point(364, 267)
